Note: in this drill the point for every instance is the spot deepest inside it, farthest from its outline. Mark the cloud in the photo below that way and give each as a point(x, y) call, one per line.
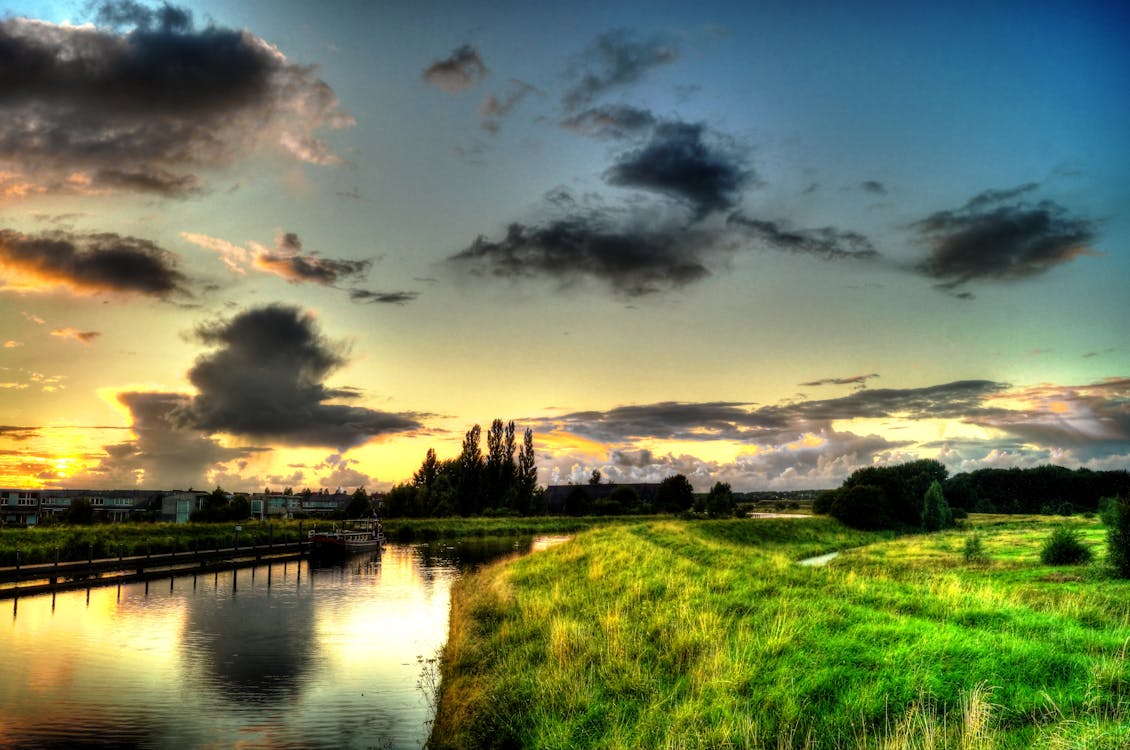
point(826, 243)
point(677, 162)
point(265, 381)
point(989, 239)
point(342, 475)
point(382, 298)
point(614, 60)
point(632, 262)
point(874, 187)
point(146, 102)
point(285, 260)
point(1090, 420)
point(856, 380)
point(612, 121)
point(83, 337)
point(494, 108)
point(163, 453)
point(459, 71)
point(88, 264)
point(771, 424)
point(817, 443)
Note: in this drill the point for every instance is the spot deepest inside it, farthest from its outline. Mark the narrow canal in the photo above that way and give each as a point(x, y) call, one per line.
point(282, 656)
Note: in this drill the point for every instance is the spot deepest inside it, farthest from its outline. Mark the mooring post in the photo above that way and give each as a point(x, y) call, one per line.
point(120, 553)
point(17, 563)
point(90, 553)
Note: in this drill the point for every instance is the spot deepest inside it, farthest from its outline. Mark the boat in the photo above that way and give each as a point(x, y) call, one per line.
point(347, 537)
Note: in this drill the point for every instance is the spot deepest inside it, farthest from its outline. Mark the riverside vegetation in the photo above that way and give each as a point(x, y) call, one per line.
point(707, 634)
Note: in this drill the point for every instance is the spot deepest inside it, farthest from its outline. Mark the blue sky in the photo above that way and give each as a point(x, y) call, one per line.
point(276, 244)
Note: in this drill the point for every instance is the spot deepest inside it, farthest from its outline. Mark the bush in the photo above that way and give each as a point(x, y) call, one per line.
point(974, 551)
point(1064, 547)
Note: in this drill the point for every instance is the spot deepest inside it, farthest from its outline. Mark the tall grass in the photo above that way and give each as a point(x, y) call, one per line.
point(703, 635)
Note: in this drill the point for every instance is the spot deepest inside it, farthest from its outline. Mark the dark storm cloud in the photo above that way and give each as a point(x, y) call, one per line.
point(126, 13)
point(632, 262)
point(873, 186)
point(102, 262)
point(617, 58)
point(678, 162)
point(101, 108)
point(288, 261)
point(367, 296)
point(989, 239)
point(162, 453)
point(156, 181)
point(826, 242)
point(779, 423)
point(457, 72)
point(857, 380)
point(265, 381)
point(612, 121)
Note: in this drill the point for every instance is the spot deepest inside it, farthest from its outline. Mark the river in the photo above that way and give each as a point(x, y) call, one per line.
point(281, 656)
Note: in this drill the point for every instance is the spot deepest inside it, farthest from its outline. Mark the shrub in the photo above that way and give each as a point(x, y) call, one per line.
point(1064, 547)
point(974, 551)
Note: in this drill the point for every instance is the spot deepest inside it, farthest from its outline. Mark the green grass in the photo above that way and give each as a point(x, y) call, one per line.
point(38, 544)
point(665, 634)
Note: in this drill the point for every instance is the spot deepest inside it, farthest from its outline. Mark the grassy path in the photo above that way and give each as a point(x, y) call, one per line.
point(707, 635)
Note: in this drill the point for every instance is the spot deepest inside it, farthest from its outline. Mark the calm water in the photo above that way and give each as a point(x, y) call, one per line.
point(280, 656)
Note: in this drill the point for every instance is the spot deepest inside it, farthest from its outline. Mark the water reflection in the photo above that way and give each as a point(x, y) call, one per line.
point(285, 655)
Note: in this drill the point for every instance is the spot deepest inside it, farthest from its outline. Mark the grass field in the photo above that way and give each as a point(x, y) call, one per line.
point(668, 634)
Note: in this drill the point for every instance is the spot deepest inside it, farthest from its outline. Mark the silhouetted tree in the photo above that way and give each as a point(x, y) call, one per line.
point(720, 501)
point(469, 487)
point(527, 475)
point(81, 511)
point(595, 478)
point(674, 495)
point(360, 506)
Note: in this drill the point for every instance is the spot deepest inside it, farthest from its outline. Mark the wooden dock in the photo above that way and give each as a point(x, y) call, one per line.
point(24, 580)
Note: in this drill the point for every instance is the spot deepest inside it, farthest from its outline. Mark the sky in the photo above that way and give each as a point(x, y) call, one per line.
point(266, 244)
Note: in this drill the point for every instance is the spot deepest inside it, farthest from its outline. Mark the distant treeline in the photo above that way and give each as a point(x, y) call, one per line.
point(884, 497)
point(1045, 489)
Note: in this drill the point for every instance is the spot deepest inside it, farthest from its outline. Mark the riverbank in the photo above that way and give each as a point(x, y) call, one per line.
point(708, 634)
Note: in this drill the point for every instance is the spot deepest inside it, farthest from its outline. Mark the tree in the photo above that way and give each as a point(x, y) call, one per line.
point(595, 478)
point(527, 475)
point(360, 506)
point(577, 502)
point(1118, 536)
point(80, 512)
point(935, 513)
point(898, 501)
point(675, 494)
point(469, 485)
point(862, 506)
point(720, 501)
